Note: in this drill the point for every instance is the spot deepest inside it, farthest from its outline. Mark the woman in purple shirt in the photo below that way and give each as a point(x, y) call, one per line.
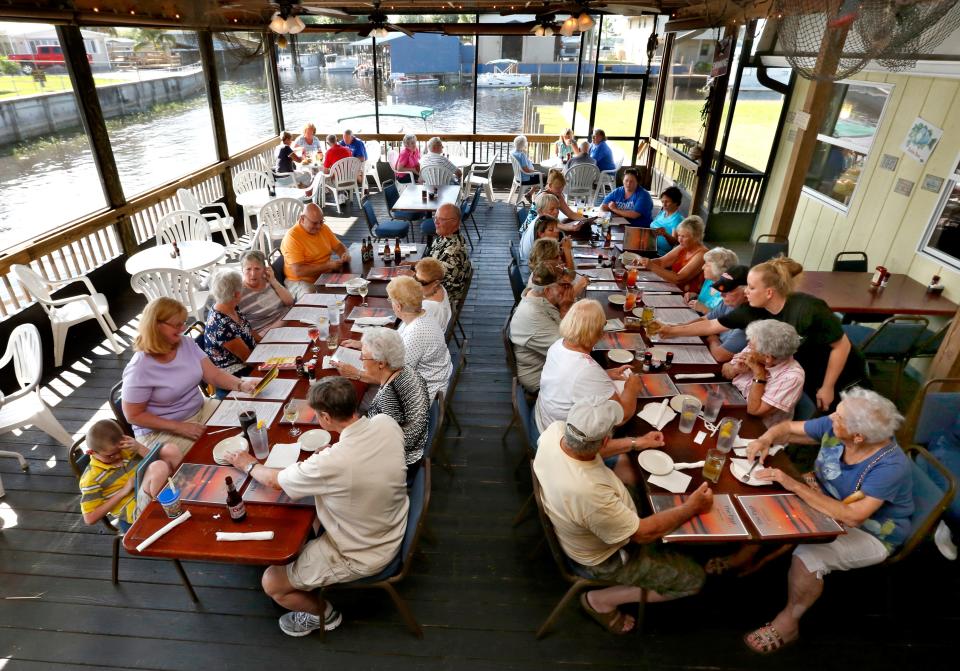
point(161, 397)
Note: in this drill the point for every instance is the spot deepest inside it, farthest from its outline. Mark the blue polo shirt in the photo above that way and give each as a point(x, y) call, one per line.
point(357, 147)
point(603, 155)
point(640, 202)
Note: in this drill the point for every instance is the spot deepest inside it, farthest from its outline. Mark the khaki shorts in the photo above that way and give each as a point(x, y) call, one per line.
point(320, 564)
point(669, 574)
point(206, 411)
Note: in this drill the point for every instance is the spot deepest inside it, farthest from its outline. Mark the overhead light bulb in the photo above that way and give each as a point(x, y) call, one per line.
point(569, 26)
point(380, 32)
point(282, 41)
point(294, 25)
point(538, 31)
point(300, 25)
point(277, 24)
point(585, 21)
point(548, 31)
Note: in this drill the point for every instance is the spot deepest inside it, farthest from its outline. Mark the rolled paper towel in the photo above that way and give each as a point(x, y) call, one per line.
point(245, 536)
point(693, 376)
point(693, 464)
point(172, 524)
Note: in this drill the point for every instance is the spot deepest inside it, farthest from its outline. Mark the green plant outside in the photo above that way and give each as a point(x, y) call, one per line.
point(12, 86)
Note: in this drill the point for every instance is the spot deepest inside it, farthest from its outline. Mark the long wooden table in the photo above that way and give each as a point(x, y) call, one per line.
point(852, 293)
point(291, 524)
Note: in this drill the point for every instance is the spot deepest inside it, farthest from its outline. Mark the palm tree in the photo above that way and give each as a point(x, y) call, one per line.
point(161, 40)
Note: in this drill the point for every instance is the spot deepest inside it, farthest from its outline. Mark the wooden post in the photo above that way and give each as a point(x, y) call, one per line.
point(273, 81)
point(814, 111)
point(209, 62)
point(91, 116)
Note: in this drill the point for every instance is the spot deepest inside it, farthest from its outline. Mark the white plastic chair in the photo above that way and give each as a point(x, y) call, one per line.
point(581, 181)
point(25, 407)
point(219, 223)
point(279, 215)
point(482, 175)
point(181, 226)
point(607, 181)
point(436, 175)
point(65, 312)
point(343, 178)
point(251, 180)
point(517, 184)
point(370, 166)
point(177, 284)
point(262, 242)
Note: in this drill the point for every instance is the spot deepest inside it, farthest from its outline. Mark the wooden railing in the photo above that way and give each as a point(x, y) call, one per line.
point(80, 246)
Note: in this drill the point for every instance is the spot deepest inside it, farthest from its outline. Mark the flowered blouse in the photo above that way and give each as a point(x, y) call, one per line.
point(221, 329)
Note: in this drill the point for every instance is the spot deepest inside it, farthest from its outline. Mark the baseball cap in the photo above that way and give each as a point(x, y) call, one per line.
point(733, 278)
point(589, 421)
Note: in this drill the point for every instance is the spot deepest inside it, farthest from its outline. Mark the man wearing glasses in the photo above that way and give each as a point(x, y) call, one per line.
point(449, 249)
point(307, 250)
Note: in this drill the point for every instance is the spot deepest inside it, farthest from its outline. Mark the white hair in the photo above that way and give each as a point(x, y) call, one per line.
point(385, 345)
point(695, 227)
point(775, 338)
point(434, 143)
point(409, 139)
point(520, 143)
point(871, 415)
point(225, 285)
point(720, 260)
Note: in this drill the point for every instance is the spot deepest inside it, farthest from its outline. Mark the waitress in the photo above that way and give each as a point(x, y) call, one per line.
point(630, 201)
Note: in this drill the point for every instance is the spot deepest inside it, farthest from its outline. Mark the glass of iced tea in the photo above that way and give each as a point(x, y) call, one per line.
point(713, 464)
point(632, 277)
point(630, 302)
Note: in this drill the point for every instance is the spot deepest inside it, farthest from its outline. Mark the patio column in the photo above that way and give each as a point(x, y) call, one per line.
point(209, 61)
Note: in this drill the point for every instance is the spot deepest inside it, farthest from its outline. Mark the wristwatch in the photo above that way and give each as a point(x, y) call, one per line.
point(633, 443)
point(249, 469)
point(760, 380)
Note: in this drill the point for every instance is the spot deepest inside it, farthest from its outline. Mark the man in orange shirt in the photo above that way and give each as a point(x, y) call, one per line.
point(335, 152)
point(307, 248)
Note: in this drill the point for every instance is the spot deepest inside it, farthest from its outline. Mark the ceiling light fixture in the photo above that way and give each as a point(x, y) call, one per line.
point(379, 32)
point(569, 27)
point(585, 21)
point(278, 24)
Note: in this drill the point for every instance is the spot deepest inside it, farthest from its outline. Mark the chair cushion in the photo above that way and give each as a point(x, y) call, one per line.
point(858, 333)
point(392, 228)
point(938, 416)
point(408, 216)
point(927, 493)
point(428, 227)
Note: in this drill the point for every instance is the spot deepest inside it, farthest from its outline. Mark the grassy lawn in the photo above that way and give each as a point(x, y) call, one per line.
point(12, 86)
point(750, 135)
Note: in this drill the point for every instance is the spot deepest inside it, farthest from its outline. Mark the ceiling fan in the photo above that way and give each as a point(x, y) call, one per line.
point(546, 23)
point(286, 17)
point(378, 26)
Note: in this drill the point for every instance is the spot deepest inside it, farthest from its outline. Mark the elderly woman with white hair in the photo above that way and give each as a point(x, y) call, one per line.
point(228, 337)
point(528, 172)
point(861, 478)
point(715, 263)
point(682, 265)
point(403, 393)
point(766, 373)
point(408, 162)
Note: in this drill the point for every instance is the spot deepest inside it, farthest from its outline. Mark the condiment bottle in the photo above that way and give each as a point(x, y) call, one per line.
point(301, 370)
point(878, 276)
point(235, 504)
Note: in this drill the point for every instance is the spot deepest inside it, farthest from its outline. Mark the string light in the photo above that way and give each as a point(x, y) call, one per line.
point(96, 10)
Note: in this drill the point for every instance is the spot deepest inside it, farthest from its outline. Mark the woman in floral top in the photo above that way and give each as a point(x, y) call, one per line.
point(228, 337)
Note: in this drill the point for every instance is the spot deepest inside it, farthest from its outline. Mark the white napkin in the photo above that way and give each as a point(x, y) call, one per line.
point(169, 526)
point(373, 321)
point(650, 413)
point(742, 451)
point(244, 535)
point(614, 325)
point(692, 464)
point(282, 455)
point(700, 437)
point(675, 481)
point(693, 376)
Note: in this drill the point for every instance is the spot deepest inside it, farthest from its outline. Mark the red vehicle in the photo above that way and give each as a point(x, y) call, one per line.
point(46, 57)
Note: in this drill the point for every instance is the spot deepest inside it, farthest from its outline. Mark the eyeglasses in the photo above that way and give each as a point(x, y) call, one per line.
point(179, 326)
point(423, 283)
point(367, 358)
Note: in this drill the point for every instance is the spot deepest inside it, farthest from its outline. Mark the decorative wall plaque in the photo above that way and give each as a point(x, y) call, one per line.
point(904, 187)
point(889, 162)
point(932, 183)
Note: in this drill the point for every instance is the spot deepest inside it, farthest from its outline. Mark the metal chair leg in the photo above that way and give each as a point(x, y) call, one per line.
point(452, 416)
point(522, 513)
point(513, 420)
point(115, 564)
point(574, 590)
point(404, 610)
point(185, 579)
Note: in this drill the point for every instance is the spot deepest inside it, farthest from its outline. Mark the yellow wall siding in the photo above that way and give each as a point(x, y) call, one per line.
point(884, 224)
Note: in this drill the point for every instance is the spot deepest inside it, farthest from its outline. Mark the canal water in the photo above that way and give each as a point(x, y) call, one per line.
point(46, 183)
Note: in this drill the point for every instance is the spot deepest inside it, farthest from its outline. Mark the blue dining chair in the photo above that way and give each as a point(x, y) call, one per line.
point(391, 195)
point(391, 228)
point(892, 341)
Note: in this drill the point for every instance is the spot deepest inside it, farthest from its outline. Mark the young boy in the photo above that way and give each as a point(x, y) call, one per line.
point(106, 485)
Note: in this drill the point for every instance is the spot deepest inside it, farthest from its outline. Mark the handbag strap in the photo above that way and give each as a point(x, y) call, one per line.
point(870, 466)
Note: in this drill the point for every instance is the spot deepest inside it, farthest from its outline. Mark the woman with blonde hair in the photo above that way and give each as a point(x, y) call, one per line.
point(830, 361)
point(309, 142)
point(161, 399)
point(556, 183)
point(682, 265)
point(424, 340)
point(571, 375)
point(430, 273)
point(565, 145)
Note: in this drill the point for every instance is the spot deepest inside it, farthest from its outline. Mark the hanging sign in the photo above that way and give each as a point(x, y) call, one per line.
point(721, 57)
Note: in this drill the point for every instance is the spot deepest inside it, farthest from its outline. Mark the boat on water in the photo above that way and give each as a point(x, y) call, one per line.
point(504, 75)
point(401, 79)
point(391, 117)
point(338, 63)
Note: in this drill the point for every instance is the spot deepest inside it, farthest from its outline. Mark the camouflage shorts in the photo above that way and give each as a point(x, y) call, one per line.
point(669, 574)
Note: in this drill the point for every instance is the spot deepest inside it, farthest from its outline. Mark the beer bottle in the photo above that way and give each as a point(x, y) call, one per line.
point(363, 250)
point(386, 250)
point(235, 505)
point(396, 252)
point(301, 370)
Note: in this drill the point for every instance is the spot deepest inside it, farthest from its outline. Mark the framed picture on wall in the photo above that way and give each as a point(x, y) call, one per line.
point(941, 239)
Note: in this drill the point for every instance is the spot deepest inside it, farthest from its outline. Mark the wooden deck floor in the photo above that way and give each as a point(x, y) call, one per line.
point(480, 590)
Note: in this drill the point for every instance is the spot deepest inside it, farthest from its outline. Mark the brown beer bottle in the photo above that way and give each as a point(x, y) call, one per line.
point(396, 252)
point(235, 504)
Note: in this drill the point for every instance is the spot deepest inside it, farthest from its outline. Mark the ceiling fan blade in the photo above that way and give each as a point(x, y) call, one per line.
point(366, 30)
point(322, 11)
point(399, 29)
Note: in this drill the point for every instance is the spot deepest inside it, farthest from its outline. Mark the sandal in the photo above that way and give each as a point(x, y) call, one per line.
point(765, 640)
point(612, 621)
point(718, 566)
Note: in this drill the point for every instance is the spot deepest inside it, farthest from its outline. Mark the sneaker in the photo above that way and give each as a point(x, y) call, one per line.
point(300, 623)
point(944, 541)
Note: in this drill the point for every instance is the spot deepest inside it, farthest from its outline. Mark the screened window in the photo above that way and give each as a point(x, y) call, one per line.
point(941, 240)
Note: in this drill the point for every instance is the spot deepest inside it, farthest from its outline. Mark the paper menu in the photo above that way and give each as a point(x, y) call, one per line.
point(664, 301)
point(361, 311)
point(383, 273)
point(348, 356)
point(675, 315)
point(335, 279)
point(677, 340)
point(260, 493)
point(206, 483)
point(321, 299)
point(227, 414)
point(730, 394)
point(277, 390)
point(598, 274)
point(621, 340)
point(282, 455)
point(722, 520)
point(603, 286)
point(286, 334)
point(265, 352)
point(786, 515)
point(684, 354)
point(658, 286)
point(306, 315)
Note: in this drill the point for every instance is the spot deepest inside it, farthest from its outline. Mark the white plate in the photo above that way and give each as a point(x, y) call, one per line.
point(313, 440)
point(739, 468)
point(655, 462)
point(620, 355)
point(638, 312)
point(617, 299)
point(677, 401)
point(629, 258)
point(232, 444)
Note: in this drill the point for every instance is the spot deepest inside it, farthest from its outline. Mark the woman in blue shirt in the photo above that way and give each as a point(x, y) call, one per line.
point(630, 201)
point(665, 223)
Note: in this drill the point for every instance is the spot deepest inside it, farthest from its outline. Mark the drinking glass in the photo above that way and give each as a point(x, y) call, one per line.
point(632, 277)
point(630, 302)
point(646, 316)
point(290, 412)
point(653, 327)
point(713, 464)
point(363, 289)
point(727, 434)
point(314, 332)
point(688, 414)
point(712, 407)
point(259, 442)
point(333, 337)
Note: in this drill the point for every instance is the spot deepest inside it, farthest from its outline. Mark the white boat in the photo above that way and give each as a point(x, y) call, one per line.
point(337, 63)
point(504, 75)
point(401, 79)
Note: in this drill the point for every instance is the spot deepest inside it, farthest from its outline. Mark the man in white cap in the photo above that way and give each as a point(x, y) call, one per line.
point(597, 523)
